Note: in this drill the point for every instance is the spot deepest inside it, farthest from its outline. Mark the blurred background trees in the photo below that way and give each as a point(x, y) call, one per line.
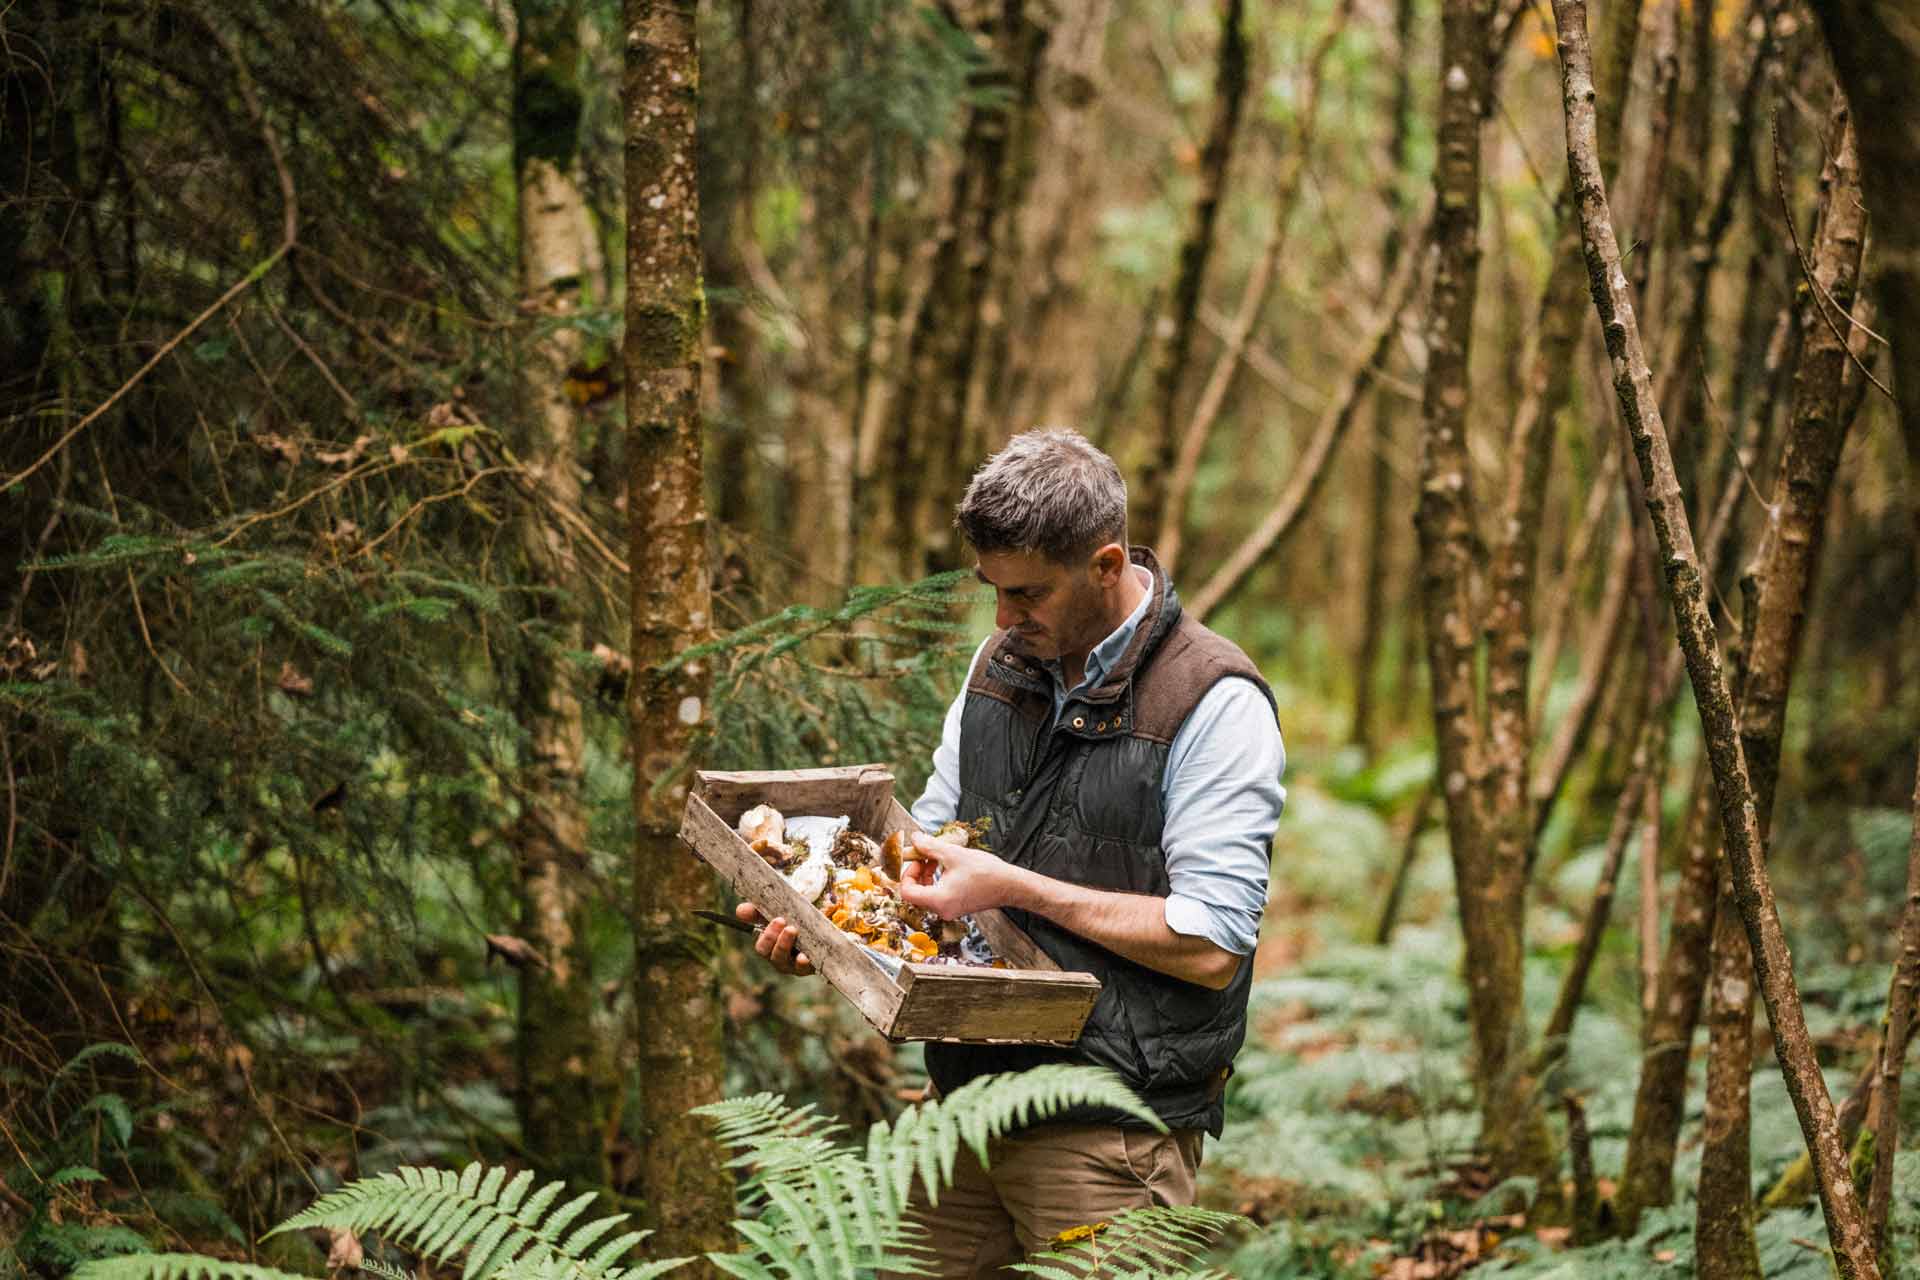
point(321, 484)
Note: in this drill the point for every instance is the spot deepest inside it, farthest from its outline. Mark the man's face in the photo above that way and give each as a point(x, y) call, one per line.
point(1049, 609)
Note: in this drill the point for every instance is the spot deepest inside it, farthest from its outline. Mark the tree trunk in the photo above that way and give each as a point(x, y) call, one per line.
point(1876, 53)
point(683, 1175)
point(1900, 1002)
point(1043, 388)
point(1489, 871)
point(929, 433)
point(1740, 823)
point(565, 1085)
point(1779, 588)
point(1148, 500)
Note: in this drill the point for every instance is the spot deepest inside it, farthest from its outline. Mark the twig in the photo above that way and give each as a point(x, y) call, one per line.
point(1312, 468)
point(290, 224)
point(1822, 299)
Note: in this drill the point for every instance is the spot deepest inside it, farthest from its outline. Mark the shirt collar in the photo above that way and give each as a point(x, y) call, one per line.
point(1102, 656)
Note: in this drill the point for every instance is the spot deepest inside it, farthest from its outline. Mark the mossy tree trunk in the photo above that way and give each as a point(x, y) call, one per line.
point(564, 1084)
point(683, 1177)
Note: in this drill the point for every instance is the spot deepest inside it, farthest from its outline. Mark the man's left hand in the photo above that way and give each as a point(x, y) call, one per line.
point(970, 879)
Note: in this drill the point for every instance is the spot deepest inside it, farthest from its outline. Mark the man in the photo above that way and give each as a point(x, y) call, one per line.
point(1129, 762)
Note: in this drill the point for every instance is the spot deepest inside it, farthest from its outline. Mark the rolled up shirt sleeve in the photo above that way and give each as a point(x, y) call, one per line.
point(1223, 798)
point(939, 804)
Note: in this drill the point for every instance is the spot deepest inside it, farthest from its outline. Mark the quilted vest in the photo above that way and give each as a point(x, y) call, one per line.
point(1080, 799)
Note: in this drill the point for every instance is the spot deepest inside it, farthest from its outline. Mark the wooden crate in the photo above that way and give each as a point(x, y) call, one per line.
point(1033, 1002)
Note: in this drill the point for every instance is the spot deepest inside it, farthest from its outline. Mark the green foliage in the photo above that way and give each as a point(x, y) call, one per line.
point(869, 680)
point(57, 1167)
point(1140, 1244)
point(811, 1205)
point(823, 1208)
point(501, 1229)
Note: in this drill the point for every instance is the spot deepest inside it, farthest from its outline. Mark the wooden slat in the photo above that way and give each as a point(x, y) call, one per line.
point(861, 791)
point(952, 1003)
point(843, 961)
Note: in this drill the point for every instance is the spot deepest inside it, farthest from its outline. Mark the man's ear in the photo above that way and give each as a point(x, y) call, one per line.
point(1108, 563)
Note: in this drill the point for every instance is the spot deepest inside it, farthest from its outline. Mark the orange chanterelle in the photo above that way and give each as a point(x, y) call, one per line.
point(855, 881)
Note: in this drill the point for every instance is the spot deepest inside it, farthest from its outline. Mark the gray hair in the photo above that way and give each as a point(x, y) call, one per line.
point(1051, 492)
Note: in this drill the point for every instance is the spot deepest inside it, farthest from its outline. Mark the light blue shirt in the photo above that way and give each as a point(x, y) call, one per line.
point(1221, 795)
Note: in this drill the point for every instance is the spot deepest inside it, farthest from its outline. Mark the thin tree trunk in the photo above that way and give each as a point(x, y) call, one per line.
point(1489, 867)
point(1311, 471)
point(564, 1082)
point(683, 1176)
point(1409, 853)
point(1900, 1002)
point(928, 434)
point(1779, 588)
point(1601, 494)
point(1876, 53)
point(1253, 297)
point(1148, 501)
point(1643, 775)
point(1608, 634)
point(1740, 824)
point(1365, 733)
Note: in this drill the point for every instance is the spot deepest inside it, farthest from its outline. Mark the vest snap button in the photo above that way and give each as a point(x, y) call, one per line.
point(1079, 722)
point(1101, 727)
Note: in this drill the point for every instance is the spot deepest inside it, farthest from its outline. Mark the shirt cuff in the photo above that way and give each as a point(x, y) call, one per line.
point(1196, 919)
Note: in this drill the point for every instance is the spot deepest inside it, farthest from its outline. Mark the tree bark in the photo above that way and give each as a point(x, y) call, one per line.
point(1740, 823)
point(683, 1175)
point(929, 433)
point(1148, 501)
point(1489, 869)
point(1779, 588)
point(1057, 230)
point(1893, 1056)
point(565, 1082)
point(1876, 54)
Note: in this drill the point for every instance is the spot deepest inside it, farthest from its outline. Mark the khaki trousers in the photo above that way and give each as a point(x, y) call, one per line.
point(1042, 1182)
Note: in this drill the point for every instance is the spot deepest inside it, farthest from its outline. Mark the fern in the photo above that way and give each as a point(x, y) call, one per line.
point(505, 1232)
point(828, 1211)
point(1161, 1243)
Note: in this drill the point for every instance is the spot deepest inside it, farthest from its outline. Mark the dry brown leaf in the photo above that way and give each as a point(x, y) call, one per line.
point(344, 457)
point(293, 683)
point(345, 1251)
point(285, 448)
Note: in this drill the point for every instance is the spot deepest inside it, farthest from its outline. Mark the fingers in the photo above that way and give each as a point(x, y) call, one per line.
point(777, 944)
point(747, 913)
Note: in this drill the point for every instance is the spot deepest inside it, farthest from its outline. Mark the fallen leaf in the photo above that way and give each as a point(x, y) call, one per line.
point(292, 682)
point(284, 448)
point(345, 1250)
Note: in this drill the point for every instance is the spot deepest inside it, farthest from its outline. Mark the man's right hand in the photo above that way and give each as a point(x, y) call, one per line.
point(776, 942)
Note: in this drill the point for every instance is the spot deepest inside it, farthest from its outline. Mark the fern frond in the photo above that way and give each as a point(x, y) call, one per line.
point(1162, 1242)
point(504, 1232)
point(175, 1266)
point(812, 1207)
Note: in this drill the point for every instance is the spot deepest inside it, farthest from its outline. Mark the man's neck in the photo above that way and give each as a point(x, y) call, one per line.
point(1073, 666)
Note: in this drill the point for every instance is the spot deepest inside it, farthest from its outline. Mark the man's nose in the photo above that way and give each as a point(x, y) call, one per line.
point(1006, 614)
